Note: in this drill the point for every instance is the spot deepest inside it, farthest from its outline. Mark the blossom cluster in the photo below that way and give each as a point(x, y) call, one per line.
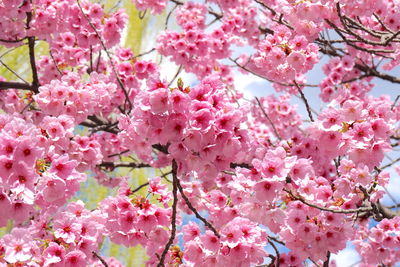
point(282, 56)
point(258, 175)
point(78, 99)
point(199, 125)
point(67, 239)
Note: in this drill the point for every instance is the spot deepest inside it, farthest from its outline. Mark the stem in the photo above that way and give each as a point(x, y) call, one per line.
point(173, 219)
point(198, 216)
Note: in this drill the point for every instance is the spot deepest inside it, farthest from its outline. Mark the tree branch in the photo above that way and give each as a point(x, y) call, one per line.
point(269, 119)
point(15, 85)
point(114, 165)
point(193, 209)
point(328, 256)
point(31, 45)
point(173, 219)
point(109, 57)
point(100, 258)
point(303, 97)
point(347, 211)
point(277, 259)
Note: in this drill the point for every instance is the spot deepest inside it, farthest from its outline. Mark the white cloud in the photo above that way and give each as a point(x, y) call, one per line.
point(347, 257)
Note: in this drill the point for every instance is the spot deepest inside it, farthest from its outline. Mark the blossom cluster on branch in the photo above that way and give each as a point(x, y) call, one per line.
point(258, 175)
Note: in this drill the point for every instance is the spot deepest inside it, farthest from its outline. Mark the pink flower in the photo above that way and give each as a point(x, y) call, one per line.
point(210, 241)
point(18, 246)
point(159, 101)
point(66, 228)
point(231, 235)
point(27, 151)
point(267, 190)
point(5, 208)
point(201, 120)
point(193, 252)
point(146, 222)
point(62, 166)
point(23, 175)
point(75, 258)
point(296, 60)
point(361, 132)
point(53, 187)
point(190, 231)
point(53, 253)
point(127, 220)
point(20, 211)
point(295, 219)
point(6, 167)
point(7, 145)
point(272, 167)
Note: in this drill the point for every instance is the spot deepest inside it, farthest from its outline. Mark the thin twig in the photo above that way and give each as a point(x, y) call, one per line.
point(13, 72)
point(139, 187)
point(303, 97)
point(198, 216)
point(114, 165)
point(118, 154)
point(176, 75)
point(277, 260)
point(109, 58)
point(145, 53)
point(100, 258)
point(269, 120)
point(328, 256)
point(55, 63)
point(174, 206)
point(347, 211)
point(390, 164)
point(395, 102)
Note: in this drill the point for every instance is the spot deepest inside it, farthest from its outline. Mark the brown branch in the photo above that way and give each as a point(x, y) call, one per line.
point(277, 260)
point(145, 53)
point(173, 219)
point(113, 165)
point(31, 45)
point(273, 12)
point(12, 41)
point(96, 124)
point(241, 165)
point(328, 256)
point(100, 258)
point(139, 187)
point(175, 76)
point(303, 97)
point(161, 148)
point(13, 72)
point(118, 154)
point(369, 72)
point(350, 42)
point(15, 85)
point(193, 209)
point(395, 102)
point(265, 78)
point(34, 87)
point(347, 211)
point(381, 23)
point(390, 164)
point(269, 120)
point(394, 206)
point(109, 58)
point(276, 240)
